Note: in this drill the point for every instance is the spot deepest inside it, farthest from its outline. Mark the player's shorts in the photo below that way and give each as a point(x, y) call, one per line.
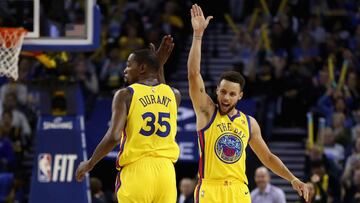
point(148, 180)
point(224, 191)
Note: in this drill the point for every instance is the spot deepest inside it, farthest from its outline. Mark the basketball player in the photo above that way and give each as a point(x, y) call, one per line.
point(144, 124)
point(224, 132)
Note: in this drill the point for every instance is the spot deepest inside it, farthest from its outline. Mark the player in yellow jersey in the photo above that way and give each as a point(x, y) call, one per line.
point(224, 132)
point(144, 124)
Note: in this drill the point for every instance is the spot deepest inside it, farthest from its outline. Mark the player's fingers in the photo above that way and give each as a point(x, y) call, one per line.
point(200, 11)
point(171, 47)
point(152, 47)
point(209, 18)
point(170, 39)
point(81, 177)
point(193, 9)
point(78, 176)
point(196, 10)
point(299, 192)
point(306, 194)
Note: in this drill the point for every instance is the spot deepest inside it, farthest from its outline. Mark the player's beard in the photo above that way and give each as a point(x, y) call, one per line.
point(225, 112)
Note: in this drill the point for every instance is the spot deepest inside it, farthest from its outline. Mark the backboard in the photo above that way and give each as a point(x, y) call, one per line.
point(61, 25)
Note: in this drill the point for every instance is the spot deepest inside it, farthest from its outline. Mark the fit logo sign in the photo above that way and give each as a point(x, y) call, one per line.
point(59, 169)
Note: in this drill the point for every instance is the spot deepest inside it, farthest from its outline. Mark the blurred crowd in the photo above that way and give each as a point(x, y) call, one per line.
point(292, 54)
point(304, 57)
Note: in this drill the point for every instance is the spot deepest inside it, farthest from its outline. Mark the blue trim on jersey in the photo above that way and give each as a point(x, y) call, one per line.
point(249, 124)
point(232, 118)
point(131, 90)
point(154, 85)
point(211, 121)
point(122, 145)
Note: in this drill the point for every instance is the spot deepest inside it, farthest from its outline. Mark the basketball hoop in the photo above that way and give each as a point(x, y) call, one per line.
point(11, 40)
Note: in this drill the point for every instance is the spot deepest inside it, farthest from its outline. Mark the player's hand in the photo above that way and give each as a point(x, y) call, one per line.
point(198, 21)
point(301, 188)
point(164, 49)
point(82, 169)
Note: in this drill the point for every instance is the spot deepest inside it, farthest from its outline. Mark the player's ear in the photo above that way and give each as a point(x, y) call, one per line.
point(142, 68)
point(241, 94)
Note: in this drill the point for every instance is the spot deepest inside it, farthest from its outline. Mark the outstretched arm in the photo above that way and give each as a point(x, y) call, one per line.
point(202, 103)
point(112, 136)
point(162, 54)
point(273, 162)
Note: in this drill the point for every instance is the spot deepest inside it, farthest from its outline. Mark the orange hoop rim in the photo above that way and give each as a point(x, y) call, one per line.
point(13, 29)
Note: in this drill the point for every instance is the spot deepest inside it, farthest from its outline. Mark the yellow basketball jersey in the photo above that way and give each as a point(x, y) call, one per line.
point(222, 145)
point(151, 126)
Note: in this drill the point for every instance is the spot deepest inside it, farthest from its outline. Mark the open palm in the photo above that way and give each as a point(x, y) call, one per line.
point(198, 21)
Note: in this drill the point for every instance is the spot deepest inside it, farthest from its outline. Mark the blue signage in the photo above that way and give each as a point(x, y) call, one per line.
point(60, 147)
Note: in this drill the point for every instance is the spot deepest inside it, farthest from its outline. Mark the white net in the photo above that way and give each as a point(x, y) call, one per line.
point(11, 40)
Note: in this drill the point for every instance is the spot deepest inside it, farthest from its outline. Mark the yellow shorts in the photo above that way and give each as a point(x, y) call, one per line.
point(224, 191)
point(149, 180)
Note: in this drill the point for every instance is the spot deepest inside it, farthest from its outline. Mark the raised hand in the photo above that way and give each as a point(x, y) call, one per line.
point(198, 21)
point(164, 50)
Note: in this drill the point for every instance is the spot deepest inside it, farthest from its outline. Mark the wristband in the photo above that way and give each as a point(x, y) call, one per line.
point(197, 37)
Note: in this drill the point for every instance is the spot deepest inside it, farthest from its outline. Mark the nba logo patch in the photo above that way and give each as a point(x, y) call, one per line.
point(44, 167)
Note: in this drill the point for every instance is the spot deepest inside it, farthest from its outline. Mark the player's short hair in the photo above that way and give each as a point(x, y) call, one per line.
point(147, 57)
point(233, 76)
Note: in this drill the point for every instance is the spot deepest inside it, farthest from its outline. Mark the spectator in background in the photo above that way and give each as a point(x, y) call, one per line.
point(325, 181)
point(281, 40)
point(353, 86)
point(355, 131)
point(173, 23)
point(352, 194)
point(352, 163)
point(266, 192)
point(111, 73)
point(334, 101)
point(293, 88)
point(242, 49)
point(332, 150)
point(85, 75)
point(171, 20)
point(341, 131)
point(130, 42)
point(19, 120)
point(186, 186)
point(97, 195)
point(7, 155)
point(316, 29)
point(133, 19)
point(14, 135)
point(306, 51)
point(153, 35)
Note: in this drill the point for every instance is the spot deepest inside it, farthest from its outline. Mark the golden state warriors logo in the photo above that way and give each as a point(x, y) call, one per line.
point(228, 148)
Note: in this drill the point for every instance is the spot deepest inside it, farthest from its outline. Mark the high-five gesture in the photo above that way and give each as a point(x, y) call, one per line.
point(198, 21)
point(164, 50)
